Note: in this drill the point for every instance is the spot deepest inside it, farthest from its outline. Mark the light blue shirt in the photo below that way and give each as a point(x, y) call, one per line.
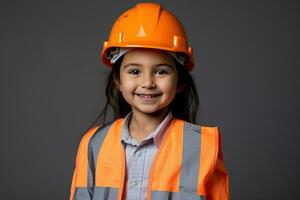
point(139, 157)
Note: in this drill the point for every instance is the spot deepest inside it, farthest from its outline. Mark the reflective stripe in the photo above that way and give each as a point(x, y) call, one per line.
point(94, 148)
point(82, 194)
point(82, 159)
point(105, 193)
point(158, 195)
point(208, 157)
point(98, 193)
point(110, 166)
point(190, 158)
point(81, 169)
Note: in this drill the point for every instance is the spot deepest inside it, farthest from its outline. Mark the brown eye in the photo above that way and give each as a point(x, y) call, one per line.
point(161, 71)
point(134, 72)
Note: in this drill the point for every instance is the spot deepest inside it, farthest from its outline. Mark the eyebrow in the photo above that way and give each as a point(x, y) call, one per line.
point(156, 65)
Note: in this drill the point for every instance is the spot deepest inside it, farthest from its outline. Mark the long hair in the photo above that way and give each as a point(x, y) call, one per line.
point(184, 105)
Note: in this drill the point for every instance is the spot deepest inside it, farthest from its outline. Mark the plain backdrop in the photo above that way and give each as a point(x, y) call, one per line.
point(52, 88)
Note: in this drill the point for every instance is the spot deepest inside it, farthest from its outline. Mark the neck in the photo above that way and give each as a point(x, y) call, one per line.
point(141, 124)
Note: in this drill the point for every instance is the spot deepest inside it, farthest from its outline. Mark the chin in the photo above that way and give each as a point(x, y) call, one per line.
point(153, 111)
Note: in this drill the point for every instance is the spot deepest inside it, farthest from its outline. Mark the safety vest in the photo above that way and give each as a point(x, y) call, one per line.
point(187, 166)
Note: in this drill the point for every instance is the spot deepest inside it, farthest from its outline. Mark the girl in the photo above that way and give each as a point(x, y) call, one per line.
point(153, 149)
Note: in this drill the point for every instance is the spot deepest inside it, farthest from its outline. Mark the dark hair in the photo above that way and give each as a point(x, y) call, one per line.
point(184, 106)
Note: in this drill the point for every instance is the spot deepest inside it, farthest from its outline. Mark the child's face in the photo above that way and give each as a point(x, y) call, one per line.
point(148, 79)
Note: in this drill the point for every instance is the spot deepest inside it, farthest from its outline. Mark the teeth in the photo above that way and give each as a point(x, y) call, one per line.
point(146, 96)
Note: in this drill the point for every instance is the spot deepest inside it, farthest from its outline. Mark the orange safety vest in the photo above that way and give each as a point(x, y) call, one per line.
point(187, 166)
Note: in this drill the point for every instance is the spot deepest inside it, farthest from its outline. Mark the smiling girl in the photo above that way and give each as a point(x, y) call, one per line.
point(153, 149)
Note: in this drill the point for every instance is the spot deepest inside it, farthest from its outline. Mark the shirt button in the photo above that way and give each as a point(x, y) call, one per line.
point(138, 154)
point(134, 183)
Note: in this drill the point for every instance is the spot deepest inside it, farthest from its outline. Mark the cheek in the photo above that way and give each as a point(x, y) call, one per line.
point(126, 85)
point(170, 85)
point(122, 85)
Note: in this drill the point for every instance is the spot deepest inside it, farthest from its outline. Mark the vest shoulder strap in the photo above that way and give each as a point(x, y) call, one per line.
point(80, 173)
point(208, 156)
point(86, 160)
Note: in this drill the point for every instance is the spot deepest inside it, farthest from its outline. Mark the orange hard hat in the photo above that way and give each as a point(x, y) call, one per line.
point(148, 25)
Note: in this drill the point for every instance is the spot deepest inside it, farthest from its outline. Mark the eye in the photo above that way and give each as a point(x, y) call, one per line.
point(161, 71)
point(134, 72)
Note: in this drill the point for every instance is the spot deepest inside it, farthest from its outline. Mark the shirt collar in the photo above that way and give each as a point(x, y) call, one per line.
point(157, 134)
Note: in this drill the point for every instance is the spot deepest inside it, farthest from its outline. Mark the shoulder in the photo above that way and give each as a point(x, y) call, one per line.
point(93, 133)
point(100, 132)
point(93, 138)
point(198, 128)
point(99, 135)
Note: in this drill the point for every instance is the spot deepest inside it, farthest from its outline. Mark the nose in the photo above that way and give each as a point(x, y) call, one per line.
point(148, 81)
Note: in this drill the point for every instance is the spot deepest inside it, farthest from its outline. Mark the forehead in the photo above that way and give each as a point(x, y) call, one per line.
point(148, 56)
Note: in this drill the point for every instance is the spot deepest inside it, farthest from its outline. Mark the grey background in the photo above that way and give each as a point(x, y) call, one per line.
point(51, 83)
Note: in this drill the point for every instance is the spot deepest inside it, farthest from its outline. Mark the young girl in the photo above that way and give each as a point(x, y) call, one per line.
point(153, 149)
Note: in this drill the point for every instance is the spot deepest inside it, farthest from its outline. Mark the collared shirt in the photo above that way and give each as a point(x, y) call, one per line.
point(139, 158)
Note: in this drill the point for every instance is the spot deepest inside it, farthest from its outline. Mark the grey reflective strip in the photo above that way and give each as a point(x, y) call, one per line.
point(97, 140)
point(158, 195)
point(105, 193)
point(99, 193)
point(92, 192)
point(190, 158)
point(95, 144)
point(82, 194)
